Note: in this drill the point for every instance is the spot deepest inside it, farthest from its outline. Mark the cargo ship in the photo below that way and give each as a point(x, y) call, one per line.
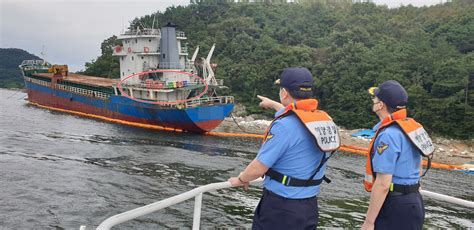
point(152, 88)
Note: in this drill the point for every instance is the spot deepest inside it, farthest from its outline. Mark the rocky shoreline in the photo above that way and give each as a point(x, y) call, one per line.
point(448, 151)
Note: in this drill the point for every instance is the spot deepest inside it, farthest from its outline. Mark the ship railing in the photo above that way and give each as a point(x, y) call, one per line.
point(144, 210)
point(146, 31)
point(154, 85)
point(87, 92)
point(180, 34)
point(38, 82)
point(197, 195)
point(184, 50)
point(173, 65)
point(210, 100)
point(203, 101)
point(34, 64)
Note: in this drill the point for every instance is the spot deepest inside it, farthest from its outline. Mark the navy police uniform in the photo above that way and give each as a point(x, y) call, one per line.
point(394, 154)
point(396, 150)
point(290, 150)
point(295, 151)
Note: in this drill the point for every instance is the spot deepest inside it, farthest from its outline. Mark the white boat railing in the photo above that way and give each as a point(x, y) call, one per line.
point(144, 210)
point(449, 199)
point(197, 194)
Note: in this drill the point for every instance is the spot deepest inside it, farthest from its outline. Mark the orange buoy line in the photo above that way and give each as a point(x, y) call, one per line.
point(353, 149)
point(344, 148)
point(363, 151)
point(222, 134)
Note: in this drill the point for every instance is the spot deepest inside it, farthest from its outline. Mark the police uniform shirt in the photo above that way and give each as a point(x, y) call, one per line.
point(291, 150)
point(394, 154)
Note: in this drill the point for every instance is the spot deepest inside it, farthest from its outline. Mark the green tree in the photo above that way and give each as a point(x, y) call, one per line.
point(348, 47)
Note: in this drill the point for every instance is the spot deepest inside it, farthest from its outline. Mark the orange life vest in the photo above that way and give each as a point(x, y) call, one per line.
point(322, 128)
point(412, 129)
point(317, 122)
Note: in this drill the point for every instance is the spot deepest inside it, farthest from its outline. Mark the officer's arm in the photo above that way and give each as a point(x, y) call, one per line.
point(377, 196)
point(253, 171)
point(275, 145)
point(268, 103)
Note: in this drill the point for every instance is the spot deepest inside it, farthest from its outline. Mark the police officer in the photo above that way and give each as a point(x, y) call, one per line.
point(393, 162)
point(291, 157)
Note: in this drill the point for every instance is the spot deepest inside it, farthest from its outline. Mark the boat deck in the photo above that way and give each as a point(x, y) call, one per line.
point(84, 79)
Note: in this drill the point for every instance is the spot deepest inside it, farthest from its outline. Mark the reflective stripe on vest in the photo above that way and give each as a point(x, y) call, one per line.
point(412, 129)
point(417, 135)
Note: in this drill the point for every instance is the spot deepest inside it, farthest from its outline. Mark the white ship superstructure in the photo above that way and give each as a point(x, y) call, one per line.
point(145, 49)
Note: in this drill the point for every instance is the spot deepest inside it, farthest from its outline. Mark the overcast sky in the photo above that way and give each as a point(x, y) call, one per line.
point(71, 31)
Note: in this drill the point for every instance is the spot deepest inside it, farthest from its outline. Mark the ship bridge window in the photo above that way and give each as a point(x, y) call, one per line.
point(122, 58)
point(142, 58)
point(136, 40)
point(132, 58)
point(149, 40)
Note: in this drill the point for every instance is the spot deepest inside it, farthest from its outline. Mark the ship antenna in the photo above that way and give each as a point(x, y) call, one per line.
point(43, 54)
point(153, 24)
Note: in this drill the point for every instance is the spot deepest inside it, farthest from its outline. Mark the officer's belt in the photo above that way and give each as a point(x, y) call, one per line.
point(405, 189)
point(290, 181)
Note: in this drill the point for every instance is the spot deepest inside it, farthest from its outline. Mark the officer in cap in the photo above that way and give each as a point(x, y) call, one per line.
point(291, 158)
point(393, 162)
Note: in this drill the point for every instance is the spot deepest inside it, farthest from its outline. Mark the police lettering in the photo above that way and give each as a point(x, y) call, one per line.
point(328, 139)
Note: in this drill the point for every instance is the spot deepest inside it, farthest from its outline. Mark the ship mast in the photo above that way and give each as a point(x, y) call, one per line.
point(208, 73)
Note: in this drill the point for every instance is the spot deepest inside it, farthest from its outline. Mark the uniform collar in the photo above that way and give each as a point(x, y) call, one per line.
point(377, 126)
point(398, 115)
point(305, 104)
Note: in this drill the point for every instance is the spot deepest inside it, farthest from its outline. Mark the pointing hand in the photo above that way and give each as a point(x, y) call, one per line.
point(268, 103)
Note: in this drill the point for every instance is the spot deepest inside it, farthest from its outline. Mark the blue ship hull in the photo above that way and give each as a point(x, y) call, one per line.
point(196, 119)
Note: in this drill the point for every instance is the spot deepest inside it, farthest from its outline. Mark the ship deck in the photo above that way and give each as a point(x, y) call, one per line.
point(84, 79)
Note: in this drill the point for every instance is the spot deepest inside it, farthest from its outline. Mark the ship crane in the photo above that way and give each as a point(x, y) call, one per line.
point(208, 73)
point(192, 61)
point(194, 55)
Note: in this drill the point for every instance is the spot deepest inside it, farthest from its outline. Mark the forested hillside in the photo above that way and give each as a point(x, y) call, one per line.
point(10, 74)
point(348, 47)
